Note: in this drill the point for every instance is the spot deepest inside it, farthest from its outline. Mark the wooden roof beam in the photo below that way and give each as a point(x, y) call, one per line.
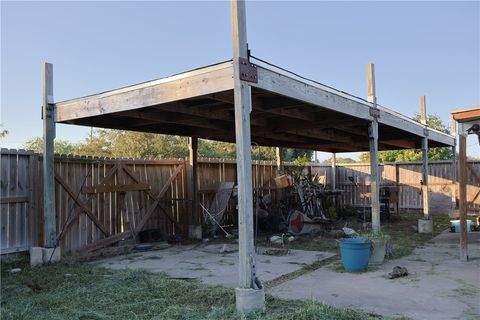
point(186, 85)
point(179, 118)
point(319, 95)
point(203, 111)
point(273, 107)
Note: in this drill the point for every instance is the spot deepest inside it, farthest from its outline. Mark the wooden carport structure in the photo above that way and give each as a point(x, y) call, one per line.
point(468, 123)
point(243, 100)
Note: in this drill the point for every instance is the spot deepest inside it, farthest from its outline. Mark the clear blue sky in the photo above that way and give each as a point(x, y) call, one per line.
point(419, 48)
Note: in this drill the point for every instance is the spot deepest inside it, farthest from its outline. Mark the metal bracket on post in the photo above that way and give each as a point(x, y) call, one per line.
point(425, 132)
point(248, 70)
point(374, 112)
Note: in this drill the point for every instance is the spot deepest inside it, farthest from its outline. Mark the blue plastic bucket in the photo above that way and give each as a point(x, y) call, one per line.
point(456, 225)
point(355, 253)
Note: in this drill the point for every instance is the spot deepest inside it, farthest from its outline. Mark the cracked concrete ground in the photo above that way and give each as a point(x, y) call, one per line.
point(439, 285)
point(207, 264)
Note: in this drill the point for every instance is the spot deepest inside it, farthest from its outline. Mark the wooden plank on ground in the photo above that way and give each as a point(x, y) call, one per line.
point(105, 242)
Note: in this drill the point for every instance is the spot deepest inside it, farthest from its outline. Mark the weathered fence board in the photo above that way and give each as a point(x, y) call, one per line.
point(114, 194)
point(17, 200)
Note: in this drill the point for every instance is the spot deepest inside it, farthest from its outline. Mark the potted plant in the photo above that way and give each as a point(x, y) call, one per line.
point(379, 242)
point(355, 253)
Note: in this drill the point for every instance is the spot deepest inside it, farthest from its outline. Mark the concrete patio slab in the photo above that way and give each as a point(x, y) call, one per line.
point(439, 285)
point(215, 264)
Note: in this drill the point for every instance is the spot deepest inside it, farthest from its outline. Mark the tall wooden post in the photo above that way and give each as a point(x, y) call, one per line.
point(195, 224)
point(48, 156)
point(250, 295)
point(373, 139)
point(423, 120)
point(454, 166)
point(279, 154)
point(462, 177)
point(334, 171)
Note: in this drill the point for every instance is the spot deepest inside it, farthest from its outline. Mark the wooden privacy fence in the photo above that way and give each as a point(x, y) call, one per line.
point(99, 201)
point(18, 200)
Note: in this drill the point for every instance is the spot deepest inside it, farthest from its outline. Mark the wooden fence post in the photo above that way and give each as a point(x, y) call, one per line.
point(195, 223)
point(454, 166)
point(48, 156)
point(397, 185)
point(279, 158)
point(373, 135)
point(334, 171)
point(463, 195)
point(423, 120)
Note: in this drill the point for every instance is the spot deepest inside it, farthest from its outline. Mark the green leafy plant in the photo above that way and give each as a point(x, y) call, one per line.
point(374, 235)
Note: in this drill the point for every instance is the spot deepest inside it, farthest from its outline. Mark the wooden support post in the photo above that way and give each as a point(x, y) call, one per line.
point(426, 206)
point(48, 156)
point(243, 107)
point(463, 195)
point(195, 223)
point(373, 139)
point(250, 295)
point(334, 171)
point(454, 167)
point(397, 185)
point(279, 153)
point(423, 110)
point(425, 192)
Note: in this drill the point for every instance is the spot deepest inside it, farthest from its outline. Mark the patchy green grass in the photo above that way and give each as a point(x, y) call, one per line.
point(466, 289)
point(305, 269)
point(76, 291)
point(403, 238)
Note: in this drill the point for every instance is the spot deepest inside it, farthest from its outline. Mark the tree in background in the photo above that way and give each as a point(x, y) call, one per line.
point(445, 153)
point(98, 144)
point(339, 160)
point(293, 154)
point(3, 132)
point(60, 146)
point(132, 144)
point(138, 145)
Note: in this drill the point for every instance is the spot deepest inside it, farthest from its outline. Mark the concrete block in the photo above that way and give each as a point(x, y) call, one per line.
point(36, 256)
point(195, 232)
point(249, 300)
point(454, 214)
point(47, 254)
point(425, 226)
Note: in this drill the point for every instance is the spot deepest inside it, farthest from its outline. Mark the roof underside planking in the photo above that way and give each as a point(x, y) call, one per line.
point(288, 111)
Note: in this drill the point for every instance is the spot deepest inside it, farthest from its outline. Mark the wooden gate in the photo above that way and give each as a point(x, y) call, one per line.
point(18, 221)
point(100, 202)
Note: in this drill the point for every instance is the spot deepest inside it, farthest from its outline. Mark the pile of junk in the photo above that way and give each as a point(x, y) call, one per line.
point(303, 205)
point(297, 206)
